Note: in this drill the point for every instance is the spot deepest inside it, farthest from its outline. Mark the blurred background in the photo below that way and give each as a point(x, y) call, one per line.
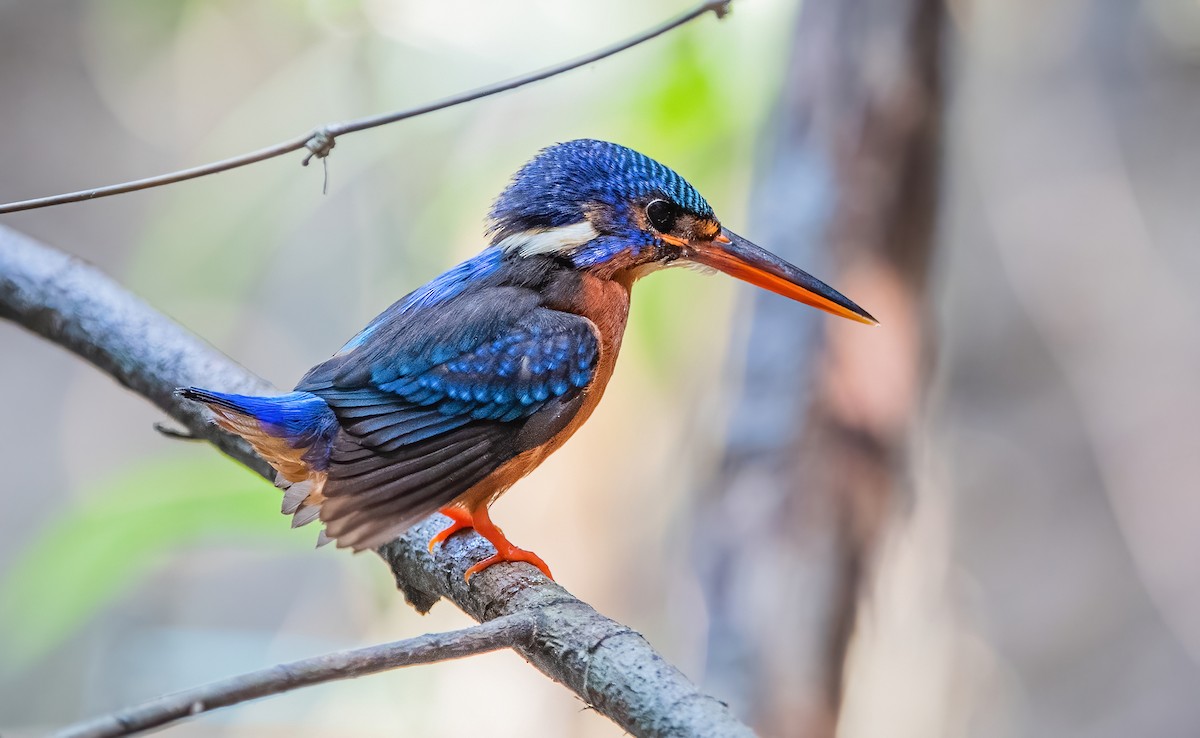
point(980, 519)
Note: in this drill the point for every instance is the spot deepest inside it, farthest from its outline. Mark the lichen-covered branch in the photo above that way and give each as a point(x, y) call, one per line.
point(492, 635)
point(611, 667)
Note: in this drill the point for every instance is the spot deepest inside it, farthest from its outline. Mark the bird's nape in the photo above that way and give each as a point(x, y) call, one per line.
point(738, 257)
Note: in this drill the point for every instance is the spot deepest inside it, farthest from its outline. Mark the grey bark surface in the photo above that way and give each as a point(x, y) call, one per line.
point(608, 665)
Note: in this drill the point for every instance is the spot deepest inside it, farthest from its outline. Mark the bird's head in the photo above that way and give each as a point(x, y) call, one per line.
point(619, 214)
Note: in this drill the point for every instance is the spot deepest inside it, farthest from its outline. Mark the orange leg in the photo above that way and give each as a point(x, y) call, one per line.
point(505, 551)
point(461, 519)
point(479, 520)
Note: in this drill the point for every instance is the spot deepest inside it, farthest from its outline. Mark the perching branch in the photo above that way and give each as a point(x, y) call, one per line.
point(611, 667)
point(490, 636)
point(320, 141)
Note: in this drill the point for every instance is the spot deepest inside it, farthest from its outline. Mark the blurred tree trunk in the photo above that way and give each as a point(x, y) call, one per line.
point(817, 442)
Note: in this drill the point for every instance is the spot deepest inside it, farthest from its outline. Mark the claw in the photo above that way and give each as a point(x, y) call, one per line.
point(505, 551)
point(478, 519)
point(460, 519)
point(512, 553)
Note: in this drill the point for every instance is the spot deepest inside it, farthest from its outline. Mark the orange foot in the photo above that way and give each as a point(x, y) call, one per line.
point(483, 525)
point(460, 519)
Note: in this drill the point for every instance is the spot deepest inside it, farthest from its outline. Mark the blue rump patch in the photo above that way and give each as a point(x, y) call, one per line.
point(300, 418)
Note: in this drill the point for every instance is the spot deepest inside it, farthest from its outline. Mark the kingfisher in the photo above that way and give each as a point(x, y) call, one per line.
point(467, 384)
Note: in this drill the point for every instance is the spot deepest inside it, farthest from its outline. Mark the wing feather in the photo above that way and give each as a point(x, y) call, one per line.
point(426, 419)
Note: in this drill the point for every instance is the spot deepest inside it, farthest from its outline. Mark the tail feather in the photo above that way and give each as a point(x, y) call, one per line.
point(236, 403)
point(295, 495)
point(293, 432)
point(305, 515)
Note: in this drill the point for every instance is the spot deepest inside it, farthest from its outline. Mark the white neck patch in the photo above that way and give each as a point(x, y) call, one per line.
point(549, 240)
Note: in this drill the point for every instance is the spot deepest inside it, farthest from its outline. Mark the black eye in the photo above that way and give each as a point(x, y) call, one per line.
point(662, 215)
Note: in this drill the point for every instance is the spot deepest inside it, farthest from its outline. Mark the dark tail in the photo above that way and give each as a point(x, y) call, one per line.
point(220, 399)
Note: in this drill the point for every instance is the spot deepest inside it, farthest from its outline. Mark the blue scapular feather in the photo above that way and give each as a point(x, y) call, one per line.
point(468, 350)
point(521, 370)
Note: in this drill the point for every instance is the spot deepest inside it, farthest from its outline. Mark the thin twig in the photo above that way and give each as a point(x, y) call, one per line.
point(176, 433)
point(608, 665)
point(492, 635)
point(321, 140)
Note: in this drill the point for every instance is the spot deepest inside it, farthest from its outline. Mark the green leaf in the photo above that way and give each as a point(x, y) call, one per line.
point(120, 531)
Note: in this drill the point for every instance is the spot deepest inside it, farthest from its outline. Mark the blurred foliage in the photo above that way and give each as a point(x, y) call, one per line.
point(698, 112)
point(684, 110)
point(120, 531)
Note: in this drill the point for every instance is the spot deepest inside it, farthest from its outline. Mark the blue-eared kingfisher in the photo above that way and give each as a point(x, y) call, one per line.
point(468, 383)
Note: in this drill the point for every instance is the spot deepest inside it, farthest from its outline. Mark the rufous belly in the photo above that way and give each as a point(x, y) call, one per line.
point(605, 302)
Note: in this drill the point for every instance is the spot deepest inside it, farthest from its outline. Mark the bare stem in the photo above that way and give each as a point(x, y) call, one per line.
point(320, 141)
point(490, 636)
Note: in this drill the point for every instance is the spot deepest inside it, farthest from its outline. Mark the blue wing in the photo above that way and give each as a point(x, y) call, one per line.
point(506, 377)
point(431, 404)
point(548, 354)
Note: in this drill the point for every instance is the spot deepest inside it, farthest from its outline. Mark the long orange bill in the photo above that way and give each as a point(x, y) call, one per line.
point(737, 257)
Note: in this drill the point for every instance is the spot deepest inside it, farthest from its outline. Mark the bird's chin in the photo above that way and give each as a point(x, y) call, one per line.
point(693, 266)
point(641, 270)
point(638, 271)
